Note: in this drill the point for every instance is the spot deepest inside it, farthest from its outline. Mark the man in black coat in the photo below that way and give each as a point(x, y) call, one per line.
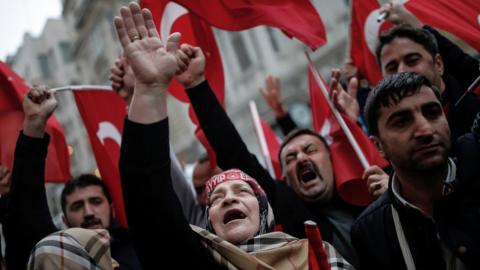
point(428, 218)
point(85, 201)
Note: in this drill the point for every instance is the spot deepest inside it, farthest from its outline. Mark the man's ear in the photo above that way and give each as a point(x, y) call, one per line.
point(65, 221)
point(379, 145)
point(439, 64)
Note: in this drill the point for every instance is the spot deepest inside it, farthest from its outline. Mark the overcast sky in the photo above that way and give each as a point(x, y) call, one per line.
point(20, 16)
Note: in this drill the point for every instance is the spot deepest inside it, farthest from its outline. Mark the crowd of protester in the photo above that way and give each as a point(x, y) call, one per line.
point(238, 216)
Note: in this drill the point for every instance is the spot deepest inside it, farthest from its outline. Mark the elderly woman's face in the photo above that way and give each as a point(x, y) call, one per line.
point(234, 211)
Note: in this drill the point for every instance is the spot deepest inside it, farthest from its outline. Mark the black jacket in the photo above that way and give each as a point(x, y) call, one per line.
point(28, 218)
point(460, 70)
point(456, 220)
point(290, 211)
point(160, 232)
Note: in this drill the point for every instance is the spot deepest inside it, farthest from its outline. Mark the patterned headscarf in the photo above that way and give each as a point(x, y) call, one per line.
point(74, 248)
point(267, 221)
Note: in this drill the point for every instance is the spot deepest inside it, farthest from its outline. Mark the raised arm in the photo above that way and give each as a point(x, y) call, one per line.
point(29, 219)
point(153, 210)
point(221, 133)
point(273, 96)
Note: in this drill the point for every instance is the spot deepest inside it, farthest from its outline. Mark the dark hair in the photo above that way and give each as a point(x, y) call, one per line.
point(295, 133)
point(418, 35)
point(391, 90)
point(83, 181)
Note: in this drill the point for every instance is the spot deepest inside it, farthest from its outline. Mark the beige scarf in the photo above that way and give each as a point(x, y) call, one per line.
point(276, 250)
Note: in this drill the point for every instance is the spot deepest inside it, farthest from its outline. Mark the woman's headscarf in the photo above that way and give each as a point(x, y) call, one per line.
point(267, 221)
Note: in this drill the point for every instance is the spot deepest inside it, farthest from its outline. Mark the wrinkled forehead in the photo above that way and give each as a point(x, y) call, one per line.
point(231, 184)
point(300, 142)
point(82, 193)
point(415, 101)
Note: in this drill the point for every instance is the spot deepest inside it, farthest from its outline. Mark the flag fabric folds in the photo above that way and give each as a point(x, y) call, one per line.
point(346, 164)
point(296, 18)
point(103, 113)
point(269, 143)
point(12, 90)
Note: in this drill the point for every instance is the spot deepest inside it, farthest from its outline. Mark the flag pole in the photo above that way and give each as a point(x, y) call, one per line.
point(82, 87)
point(338, 116)
point(261, 137)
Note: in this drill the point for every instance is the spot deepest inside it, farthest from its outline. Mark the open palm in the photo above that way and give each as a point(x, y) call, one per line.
point(152, 62)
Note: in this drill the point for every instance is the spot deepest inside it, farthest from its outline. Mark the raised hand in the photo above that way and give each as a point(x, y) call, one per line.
point(377, 180)
point(345, 101)
point(398, 14)
point(123, 79)
point(192, 66)
point(272, 95)
point(38, 104)
point(152, 62)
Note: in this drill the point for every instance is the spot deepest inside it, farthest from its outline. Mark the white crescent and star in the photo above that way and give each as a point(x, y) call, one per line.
point(171, 13)
point(108, 130)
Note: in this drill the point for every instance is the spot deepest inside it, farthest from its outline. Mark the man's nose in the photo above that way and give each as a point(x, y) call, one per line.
point(424, 128)
point(229, 198)
point(88, 210)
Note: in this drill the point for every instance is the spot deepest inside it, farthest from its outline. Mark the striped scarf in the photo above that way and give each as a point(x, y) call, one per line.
point(74, 248)
point(276, 250)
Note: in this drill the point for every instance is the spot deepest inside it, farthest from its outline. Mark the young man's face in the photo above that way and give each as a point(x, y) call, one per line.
point(308, 168)
point(414, 134)
point(405, 55)
point(88, 208)
point(234, 211)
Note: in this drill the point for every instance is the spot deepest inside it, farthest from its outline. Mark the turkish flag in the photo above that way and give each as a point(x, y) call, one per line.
point(364, 32)
point(273, 146)
point(347, 168)
point(12, 90)
point(103, 113)
point(171, 17)
point(297, 18)
point(459, 17)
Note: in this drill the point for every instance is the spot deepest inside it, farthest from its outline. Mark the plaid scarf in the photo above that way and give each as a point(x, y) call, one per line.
point(276, 250)
point(74, 248)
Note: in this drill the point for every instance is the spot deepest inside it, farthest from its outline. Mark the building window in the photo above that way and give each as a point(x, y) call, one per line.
point(66, 51)
point(96, 41)
point(241, 51)
point(45, 66)
point(273, 40)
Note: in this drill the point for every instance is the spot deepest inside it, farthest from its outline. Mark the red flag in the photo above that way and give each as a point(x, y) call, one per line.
point(347, 168)
point(317, 256)
point(171, 17)
point(273, 144)
point(12, 90)
point(268, 141)
point(364, 32)
point(297, 18)
point(459, 17)
point(103, 112)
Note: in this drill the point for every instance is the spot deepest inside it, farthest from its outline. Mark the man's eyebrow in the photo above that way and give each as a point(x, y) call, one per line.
point(431, 104)
point(399, 113)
